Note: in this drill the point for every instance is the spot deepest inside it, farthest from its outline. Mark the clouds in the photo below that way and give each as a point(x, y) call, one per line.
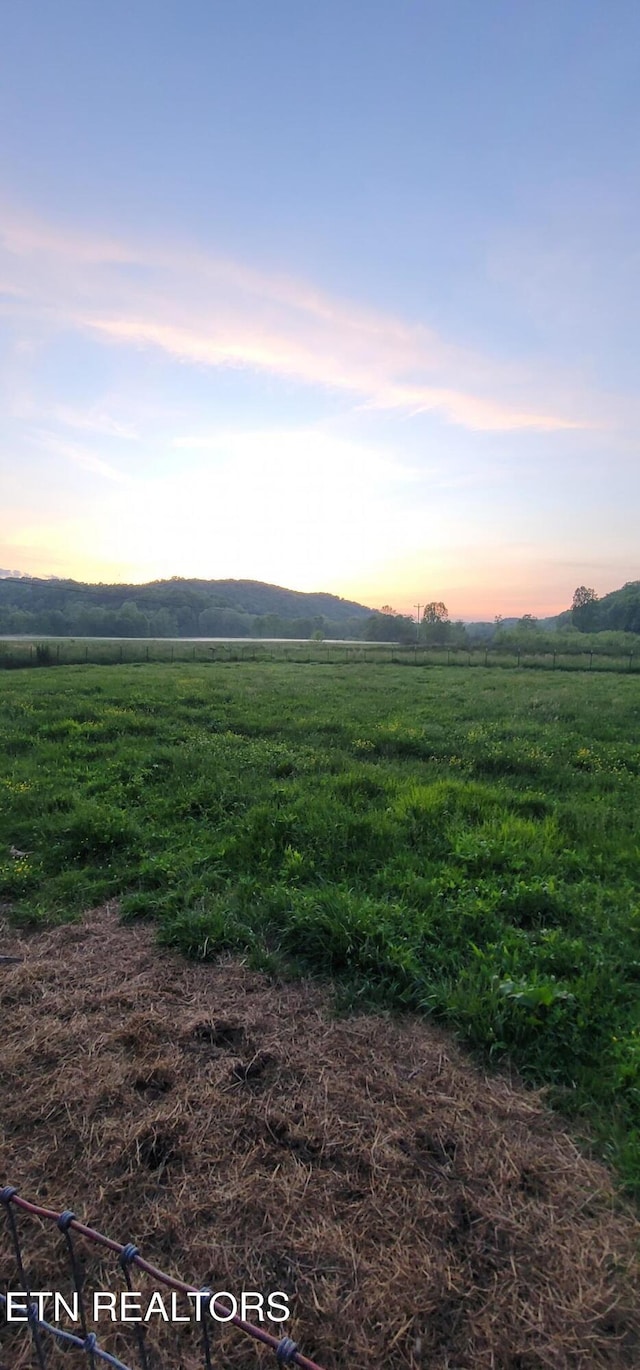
point(205, 311)
point(76, 453)
point(171, 411)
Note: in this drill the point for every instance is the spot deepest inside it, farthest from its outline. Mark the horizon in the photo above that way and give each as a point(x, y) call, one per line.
point(315, 297)
point(408, 612)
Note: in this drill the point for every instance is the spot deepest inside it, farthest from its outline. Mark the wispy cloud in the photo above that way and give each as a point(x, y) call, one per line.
point(77, 453)
point(213, 312)
point(93, 421)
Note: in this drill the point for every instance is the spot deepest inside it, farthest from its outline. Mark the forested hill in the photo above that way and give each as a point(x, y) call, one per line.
point(619, 611)
point(616, 612)
point(174, 608)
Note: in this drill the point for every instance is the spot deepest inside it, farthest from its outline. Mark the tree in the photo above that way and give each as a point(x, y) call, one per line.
point(584, 608)
point(130, 621)
point(383, 627)
point(583, 596)
point(404, 629)
point(457, 635)
point(435, 621)
point(436, 612)
point(527, 621)
point(162, 623)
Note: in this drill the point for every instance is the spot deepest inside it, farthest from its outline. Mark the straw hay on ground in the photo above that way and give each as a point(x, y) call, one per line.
point(417, 1213)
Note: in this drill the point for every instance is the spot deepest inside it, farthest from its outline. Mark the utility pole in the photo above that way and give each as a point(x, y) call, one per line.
point(418, 607)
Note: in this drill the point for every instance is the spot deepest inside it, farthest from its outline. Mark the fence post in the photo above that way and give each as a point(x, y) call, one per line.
point(590, 661)
point(630, 660)
point(554, 661)
point(518, 656)
point(486, 656)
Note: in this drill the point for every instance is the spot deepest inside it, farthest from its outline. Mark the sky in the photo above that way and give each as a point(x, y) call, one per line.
point(338, 296)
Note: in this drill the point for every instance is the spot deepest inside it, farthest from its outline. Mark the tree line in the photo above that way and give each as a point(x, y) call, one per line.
point(173, 608)
point(245, 609)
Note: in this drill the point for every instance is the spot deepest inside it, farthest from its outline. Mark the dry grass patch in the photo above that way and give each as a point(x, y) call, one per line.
point(417, 1213)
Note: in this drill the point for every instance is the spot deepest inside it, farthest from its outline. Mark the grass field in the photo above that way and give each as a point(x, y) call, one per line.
point(18, 653)
point(461, 843)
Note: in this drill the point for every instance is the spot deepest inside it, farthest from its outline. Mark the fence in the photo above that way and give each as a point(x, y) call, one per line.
point(285, 1350)
point(74, 652)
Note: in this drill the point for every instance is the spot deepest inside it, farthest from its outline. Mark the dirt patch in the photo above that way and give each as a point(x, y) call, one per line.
point(416, 1213)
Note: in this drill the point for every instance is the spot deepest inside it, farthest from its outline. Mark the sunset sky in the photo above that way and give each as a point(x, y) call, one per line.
point(341, 296)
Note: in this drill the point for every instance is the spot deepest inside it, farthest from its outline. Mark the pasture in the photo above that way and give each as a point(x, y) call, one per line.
point(459, 843)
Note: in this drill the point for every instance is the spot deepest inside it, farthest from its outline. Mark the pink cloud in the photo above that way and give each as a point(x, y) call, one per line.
point(210, 311)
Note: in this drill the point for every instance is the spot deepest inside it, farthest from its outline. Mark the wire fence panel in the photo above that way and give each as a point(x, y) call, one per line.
point(285, 1350)
point(88, 1344)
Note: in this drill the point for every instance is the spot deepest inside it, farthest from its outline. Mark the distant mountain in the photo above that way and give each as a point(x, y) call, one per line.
point(174, 608)
point(256, 597)
point(246, 596)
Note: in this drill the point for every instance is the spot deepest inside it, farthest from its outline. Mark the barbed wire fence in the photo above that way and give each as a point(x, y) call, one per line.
point(210, 1306)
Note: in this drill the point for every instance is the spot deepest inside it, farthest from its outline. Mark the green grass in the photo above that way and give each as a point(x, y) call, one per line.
point(565, 654)
point(464, 844)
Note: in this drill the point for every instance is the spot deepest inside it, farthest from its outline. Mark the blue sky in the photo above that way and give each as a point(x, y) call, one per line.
point(340, 296)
